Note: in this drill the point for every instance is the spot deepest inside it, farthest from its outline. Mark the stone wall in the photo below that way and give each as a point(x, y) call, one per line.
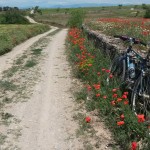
point(108, 44)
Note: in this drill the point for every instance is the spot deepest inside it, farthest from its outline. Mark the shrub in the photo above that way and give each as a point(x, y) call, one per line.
point(13, 17)
point(147, 13)
point(76, 18)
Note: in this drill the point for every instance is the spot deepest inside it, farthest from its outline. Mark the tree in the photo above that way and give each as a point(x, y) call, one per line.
point(144, 6)
point(14, 17)
point(76, 18)
point(147, 13)
point(120, 6)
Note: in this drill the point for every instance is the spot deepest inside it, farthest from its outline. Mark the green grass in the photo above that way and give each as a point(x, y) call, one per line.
point(7, 85)
point(11, 35)
point(11, 71)
point(31, 63)
point(36, 51)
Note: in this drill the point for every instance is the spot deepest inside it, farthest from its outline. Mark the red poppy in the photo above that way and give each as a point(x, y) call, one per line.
point(108, 71)
point(110, 76)
point(89, 65)
point(122, 117)
point(125, 93)
point(98, 95)
point(119, 99)
point(134, 146)
point(98, 73)
point(124, 96)
point(97, 86)
point(104, 96)
point(115, 95)
point(114, 90)
point(103, 69)
point(89, 88)
point(88, 119)
point(126, 102)
point(140, 118)
point(120, 123)
point(113, 103)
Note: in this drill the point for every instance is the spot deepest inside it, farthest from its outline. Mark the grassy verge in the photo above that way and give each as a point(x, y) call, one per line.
point(11, 35)
point(92, 67)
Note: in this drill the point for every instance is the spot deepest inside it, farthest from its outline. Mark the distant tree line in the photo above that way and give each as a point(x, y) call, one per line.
point(147, 10)
point(6, 8)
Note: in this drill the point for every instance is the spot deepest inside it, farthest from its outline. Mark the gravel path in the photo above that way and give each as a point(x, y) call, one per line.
point(45, 121)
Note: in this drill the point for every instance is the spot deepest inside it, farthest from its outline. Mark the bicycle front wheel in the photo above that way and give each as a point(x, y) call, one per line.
point(140, 98)
point(118, 69)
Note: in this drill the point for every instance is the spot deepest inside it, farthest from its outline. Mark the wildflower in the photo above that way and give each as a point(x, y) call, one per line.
point(119, 99)
point(89, 88)
point(125, 93)
point(126, 102)
point(114, 90)
point(104, 97)
point(103, 69)
point(122, 117)
point(120, 123)
point(113, 103)
point(98, 95)
point(97, 86)
point(124, 96)
point(115, 95)
point(141, 118)
point(108, 71)
point(110, 76)
point(134, 146)
point(88, 119)
point(89, 65)
point(98, 73)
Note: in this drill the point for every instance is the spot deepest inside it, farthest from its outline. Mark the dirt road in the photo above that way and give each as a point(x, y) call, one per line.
point(47, 114)
point(46, 121)
point(37, 84)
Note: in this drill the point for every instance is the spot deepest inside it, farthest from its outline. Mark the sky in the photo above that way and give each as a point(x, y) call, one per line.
point(46, 3)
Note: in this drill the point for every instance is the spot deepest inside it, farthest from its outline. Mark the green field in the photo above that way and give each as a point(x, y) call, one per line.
point(11, 35)
point(60, 16)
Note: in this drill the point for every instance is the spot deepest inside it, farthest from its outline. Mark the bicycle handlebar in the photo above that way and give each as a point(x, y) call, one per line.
point(134, 40)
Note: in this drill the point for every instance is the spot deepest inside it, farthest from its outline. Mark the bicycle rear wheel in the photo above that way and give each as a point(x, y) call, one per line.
point(118, 69)
point(140, 98)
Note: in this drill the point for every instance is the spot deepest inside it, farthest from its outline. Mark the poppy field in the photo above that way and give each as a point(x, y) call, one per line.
point(132, 27)
point(92, 67)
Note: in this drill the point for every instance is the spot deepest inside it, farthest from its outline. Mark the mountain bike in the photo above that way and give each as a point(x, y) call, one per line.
point(134, 73)
point(123, 65)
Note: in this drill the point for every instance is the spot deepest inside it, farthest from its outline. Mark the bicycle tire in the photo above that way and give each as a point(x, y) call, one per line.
point(118, 68)
point(140, 103)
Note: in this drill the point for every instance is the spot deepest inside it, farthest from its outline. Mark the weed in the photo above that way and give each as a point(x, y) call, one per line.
point(36, 51)
point(31, 63)
point(7, 100)
point(10, 72)
point(6, 116)
point(81, 95)
point(2, 138)
point(20, 60)
point(7, 85)
point(87, 145)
